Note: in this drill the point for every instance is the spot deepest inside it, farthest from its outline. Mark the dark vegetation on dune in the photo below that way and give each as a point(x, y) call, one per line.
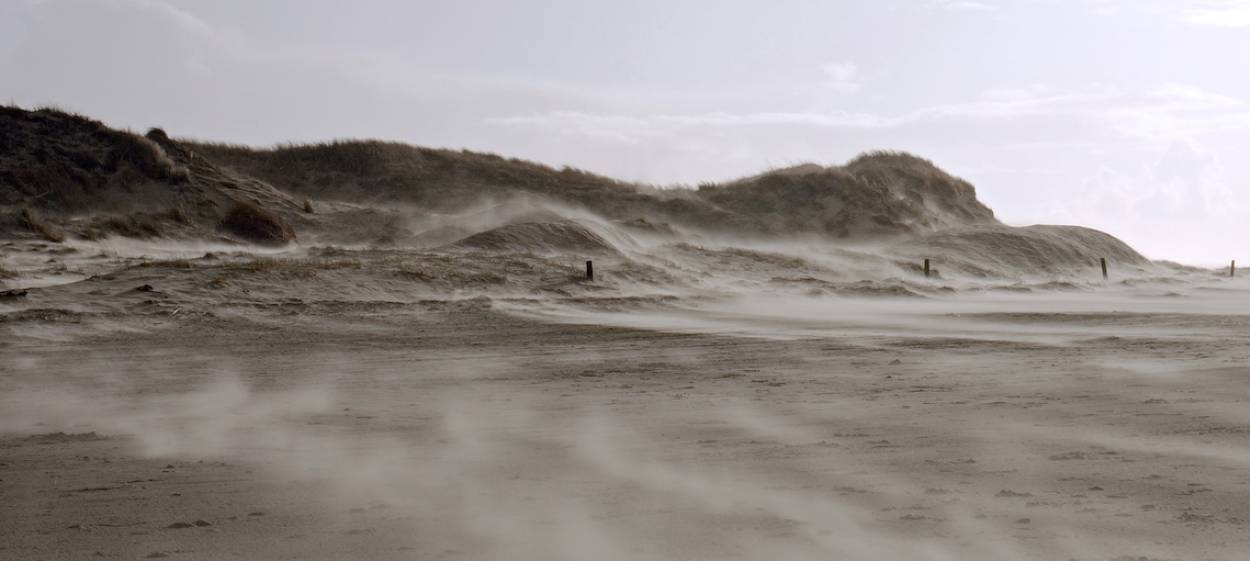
point(70, 163)
point(63, 175)
point(447, 180)
point(877, 194)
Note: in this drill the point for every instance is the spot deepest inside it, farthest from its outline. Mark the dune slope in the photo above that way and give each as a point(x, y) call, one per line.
point(64, 175)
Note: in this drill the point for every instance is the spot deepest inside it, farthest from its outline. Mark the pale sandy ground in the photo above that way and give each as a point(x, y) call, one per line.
point(1092, 426)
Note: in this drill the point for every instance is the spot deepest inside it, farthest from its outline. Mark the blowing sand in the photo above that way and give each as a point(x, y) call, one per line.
point(224, 414)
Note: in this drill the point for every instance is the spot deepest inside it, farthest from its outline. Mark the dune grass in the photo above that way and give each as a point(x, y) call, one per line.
point(255, 224)
point(32, 221)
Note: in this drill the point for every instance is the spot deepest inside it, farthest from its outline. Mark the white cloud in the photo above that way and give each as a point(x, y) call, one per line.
point(1210, 13)
point(842, 77)
point(185, 20)
point(1104, 7)
point(1219, 13)
point(1013, 94)
point(1156, 202)
point(1160, 114)
point(150, 63)
point(633, 129)
point(965, 5)
point(1174, 111)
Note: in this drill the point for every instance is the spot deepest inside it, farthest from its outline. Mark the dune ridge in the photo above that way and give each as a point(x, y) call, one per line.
point(67, 176)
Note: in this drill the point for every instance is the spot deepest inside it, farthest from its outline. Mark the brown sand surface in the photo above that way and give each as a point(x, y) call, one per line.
point(170, 424)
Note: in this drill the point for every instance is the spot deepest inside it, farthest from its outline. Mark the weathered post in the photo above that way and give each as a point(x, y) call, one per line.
point(1103, 261)
point(926, 268)
point(1232, 268)
point(590, 270)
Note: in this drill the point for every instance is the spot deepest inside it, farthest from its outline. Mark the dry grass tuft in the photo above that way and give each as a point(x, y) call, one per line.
point(179, 215)
point(149, 158)
point(35, 223)
point(257, 225)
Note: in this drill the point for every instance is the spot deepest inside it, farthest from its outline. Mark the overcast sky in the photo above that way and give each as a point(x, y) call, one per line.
point(1132, 116)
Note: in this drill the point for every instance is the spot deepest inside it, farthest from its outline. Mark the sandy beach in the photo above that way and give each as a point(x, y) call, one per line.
point(193, 422)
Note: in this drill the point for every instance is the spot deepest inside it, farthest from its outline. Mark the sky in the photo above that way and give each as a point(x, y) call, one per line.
point(1131, 116)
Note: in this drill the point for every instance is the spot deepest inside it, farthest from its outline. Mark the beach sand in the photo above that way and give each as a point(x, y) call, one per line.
point(258, 421)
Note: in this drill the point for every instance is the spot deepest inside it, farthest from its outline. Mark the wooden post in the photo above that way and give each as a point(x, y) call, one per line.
point(1232, 268)
point(926, 268)
point(590, 270)
point(1103, 261)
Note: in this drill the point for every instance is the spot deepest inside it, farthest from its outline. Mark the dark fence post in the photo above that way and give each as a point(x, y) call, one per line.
point(926, 268)
point(590, 270)
point(1103, 261)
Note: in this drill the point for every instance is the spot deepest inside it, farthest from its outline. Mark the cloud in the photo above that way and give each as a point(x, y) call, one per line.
point(1011, 94)
point(1219, 13)
point(140, 63)
point(1162, 113)
point(965, 5)
point(637, 128)
point(1157, 202)
point(1175, 111)
point(841, 77)
point(185, 20)
point(1104, 7)
point(1208, 13)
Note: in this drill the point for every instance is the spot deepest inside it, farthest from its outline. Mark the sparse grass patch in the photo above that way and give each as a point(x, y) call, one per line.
point(411, 272)
point(338, 264)
point(134, 226)
point(260, 264)
point(168, 264)
point(297, 267)
point(446, 271)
